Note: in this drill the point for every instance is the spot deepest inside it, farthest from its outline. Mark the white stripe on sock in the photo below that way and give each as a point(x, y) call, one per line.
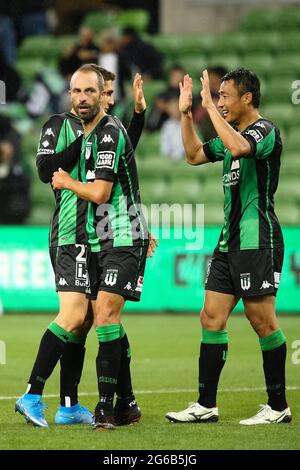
point(28, 388)
point(67, 402)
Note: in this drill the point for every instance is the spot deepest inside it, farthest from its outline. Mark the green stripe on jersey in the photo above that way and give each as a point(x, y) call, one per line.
point(249, 223)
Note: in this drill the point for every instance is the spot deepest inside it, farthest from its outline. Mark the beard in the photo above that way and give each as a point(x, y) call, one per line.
point(89, 113)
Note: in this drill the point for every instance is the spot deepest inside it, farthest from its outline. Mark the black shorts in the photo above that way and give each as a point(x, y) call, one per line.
point(247, 273)
point(119, 270)
point(69, 265)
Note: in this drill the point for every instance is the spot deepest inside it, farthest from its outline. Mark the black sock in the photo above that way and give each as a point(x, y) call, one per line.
point(274, 369)
point(213, 354)
point(71, 365)
point(108, 368)
point(124, 385)
point(50, 350)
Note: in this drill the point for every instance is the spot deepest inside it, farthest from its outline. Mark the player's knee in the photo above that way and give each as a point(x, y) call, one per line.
point(70, 322)
point(210, 320)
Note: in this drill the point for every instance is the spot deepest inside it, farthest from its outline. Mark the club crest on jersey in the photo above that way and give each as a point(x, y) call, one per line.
point(106, 159)
point(140, 283)
point(111, 277)
point(107, 139)
point(245, 281)
point(88, 150)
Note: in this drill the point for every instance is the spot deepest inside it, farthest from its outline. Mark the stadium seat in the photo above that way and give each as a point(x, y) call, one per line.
point(259, 42)
point(280, 114)
point(286, 65)
point(213, 214)
point(138, 19)
point(229, 61)
point(28, 68)
point(288, 190)
point(288, 213)
point(293, 140)
point(260, 64)
point(193, 65)
point(99, 20)
point(290, 163)
point(233, 43)
point(259, 19)
point(278, 91)
point(40, 46)
point(151, 89)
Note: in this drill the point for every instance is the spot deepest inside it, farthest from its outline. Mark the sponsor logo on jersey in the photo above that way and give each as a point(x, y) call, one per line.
point(107, 139)
point(140, 283)
point(245, 281)
point(49, 132)
point(111, 277)
point(277, 277)
point(232, 178)
point(45, 143)
point(45, 151)
point(106, 160)
point(62, 282)
point(256, 134)
point(266, 285)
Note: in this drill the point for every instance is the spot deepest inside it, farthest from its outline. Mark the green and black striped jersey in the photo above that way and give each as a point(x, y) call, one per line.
point(107, 154)
point(68, 221)
point(249, 185)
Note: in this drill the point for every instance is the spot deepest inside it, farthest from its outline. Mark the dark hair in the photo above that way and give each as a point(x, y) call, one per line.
point(130, 31)
point(218, 70)
point(245, 81)
point(106, 74)
point(93, 68)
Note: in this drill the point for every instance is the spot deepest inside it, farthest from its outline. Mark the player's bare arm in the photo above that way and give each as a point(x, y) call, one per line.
point(98, 192)
point(192, 144)
point(233, 140)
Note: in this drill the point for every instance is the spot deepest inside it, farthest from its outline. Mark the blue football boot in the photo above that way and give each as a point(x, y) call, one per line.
point(32, 408)
point(75, 414)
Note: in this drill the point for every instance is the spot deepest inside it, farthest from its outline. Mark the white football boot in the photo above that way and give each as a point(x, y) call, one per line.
point(268, 416)
point(195, 413)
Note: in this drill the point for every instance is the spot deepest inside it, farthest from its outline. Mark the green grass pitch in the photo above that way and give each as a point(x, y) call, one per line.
point(164, 365)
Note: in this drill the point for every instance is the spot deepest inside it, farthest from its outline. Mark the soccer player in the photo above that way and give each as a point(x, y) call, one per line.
point(60, 146)
point(248, 259)
point(118, 239)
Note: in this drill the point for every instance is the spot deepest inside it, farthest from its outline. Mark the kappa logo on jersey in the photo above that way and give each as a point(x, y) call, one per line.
point(62, 282)
point(256, 134)
point(111, 277)
point(245, 281)
point(260, 124)
point(140, 283)
point(107, 139)
point(106, 160)
point(266, 285)
point(79, 133)
point(45, 143)
point(128, 286)
point(90, 175)
point(49, 132)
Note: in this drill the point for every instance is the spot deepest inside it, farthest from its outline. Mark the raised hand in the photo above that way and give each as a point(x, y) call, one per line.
point(186, 95)
point(205, 92)
point(138, 94)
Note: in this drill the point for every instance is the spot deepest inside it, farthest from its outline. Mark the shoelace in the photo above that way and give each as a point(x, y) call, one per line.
point(40, 407)
point(263, 411)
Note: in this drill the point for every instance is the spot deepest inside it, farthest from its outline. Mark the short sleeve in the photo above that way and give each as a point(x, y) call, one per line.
point(214, 150)
point(261, 137)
